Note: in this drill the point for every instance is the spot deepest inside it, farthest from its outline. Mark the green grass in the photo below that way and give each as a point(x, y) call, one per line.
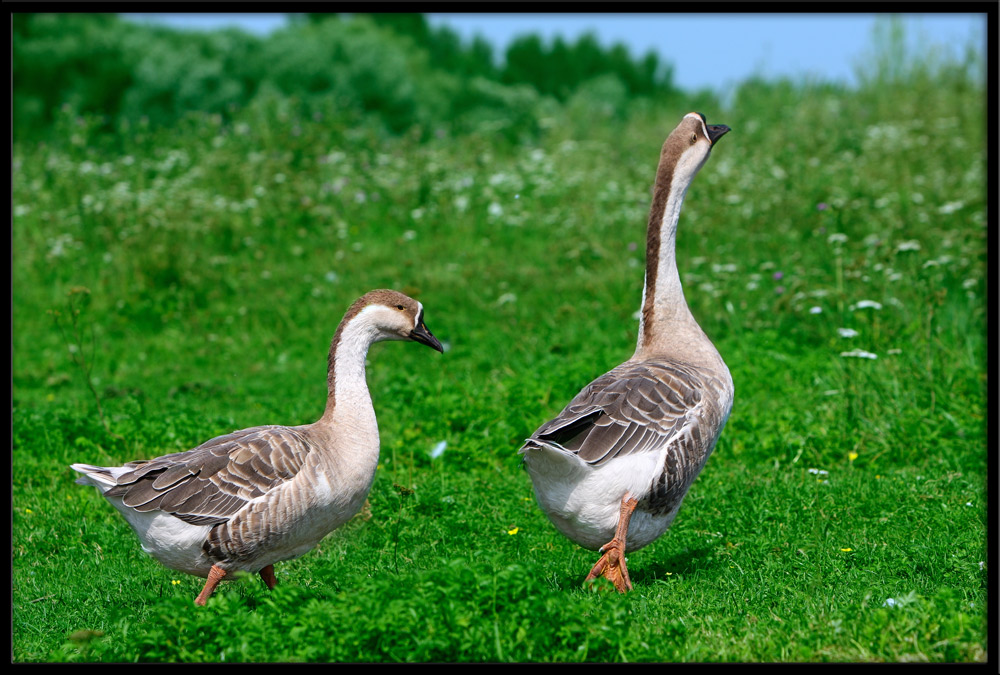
point(841, 518)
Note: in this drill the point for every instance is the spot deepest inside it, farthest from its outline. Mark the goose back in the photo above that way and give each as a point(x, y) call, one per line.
point(644, 407)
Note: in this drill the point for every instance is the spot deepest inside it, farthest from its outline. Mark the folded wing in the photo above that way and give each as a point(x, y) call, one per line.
point(634, 408)
point(210, 483)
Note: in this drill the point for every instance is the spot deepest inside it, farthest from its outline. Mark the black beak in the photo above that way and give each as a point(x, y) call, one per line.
point(716, 131)
point(423, 336)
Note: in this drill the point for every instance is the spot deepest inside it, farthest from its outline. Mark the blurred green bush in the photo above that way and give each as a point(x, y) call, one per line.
point(393, 70)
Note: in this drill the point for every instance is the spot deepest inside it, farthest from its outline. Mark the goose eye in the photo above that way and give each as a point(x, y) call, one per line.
point(399, 307)
point(694, 138)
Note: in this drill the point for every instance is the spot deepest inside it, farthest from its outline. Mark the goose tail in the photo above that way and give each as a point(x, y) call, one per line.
point(101, 477)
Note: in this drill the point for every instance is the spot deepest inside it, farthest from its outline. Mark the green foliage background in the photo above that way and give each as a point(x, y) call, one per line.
point(394, 69)
point(192, 213)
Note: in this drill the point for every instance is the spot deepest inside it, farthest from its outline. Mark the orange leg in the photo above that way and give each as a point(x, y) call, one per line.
point(611, 566)
point(215, 575)
point(267, 574)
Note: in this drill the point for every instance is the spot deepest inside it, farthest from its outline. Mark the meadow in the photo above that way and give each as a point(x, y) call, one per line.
point(175, 283)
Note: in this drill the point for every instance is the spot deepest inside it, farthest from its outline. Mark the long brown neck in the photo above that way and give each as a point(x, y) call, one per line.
point(665, 316)
point(345, 370)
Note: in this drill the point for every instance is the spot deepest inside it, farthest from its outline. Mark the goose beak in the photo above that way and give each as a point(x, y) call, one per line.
point(716, 131)
point(423, 336)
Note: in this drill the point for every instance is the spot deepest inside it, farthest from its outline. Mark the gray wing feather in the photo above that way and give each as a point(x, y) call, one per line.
point(634, 408)
point(207, 485)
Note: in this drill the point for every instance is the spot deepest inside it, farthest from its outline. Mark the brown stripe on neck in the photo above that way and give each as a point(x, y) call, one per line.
point(331, 358)
point(669, 155)
point(381, 296)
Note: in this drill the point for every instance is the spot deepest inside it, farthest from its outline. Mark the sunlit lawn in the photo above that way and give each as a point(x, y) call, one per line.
point(835, 257)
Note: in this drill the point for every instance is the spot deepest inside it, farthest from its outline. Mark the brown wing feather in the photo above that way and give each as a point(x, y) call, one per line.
point(213, 481)
point(635, 407)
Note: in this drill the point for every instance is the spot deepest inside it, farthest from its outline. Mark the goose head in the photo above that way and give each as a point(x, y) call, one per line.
point(391, 315)
point(689, 145)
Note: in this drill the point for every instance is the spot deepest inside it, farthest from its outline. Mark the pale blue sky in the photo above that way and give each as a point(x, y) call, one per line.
point(712, 51)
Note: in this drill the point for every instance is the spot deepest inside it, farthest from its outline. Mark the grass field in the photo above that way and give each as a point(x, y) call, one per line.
point(189, 281)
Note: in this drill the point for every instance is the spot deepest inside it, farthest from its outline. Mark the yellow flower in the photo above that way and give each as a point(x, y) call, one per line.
point(28, 511)
point(852, 456)
point(845, 550)
point(174, 582)
point(514, 531)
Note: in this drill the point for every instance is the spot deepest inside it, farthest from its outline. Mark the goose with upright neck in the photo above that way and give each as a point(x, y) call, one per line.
point(611, 470)
point(246, 500)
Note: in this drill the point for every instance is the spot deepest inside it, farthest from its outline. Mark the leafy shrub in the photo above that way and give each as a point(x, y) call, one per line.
point(391, 68)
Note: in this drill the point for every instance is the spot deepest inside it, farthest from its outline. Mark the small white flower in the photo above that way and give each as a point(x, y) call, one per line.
point(859, 354)
point(866, 304)
point(911, 245)
point(819, 472)
point(438, 449)
point(836, 238)
point(889, 602)
point(815, 310)
point(847, 332)
point(505, 298)
point(950, 207)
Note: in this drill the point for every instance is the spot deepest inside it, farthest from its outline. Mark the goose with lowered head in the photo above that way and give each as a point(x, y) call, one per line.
point(243, 501)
